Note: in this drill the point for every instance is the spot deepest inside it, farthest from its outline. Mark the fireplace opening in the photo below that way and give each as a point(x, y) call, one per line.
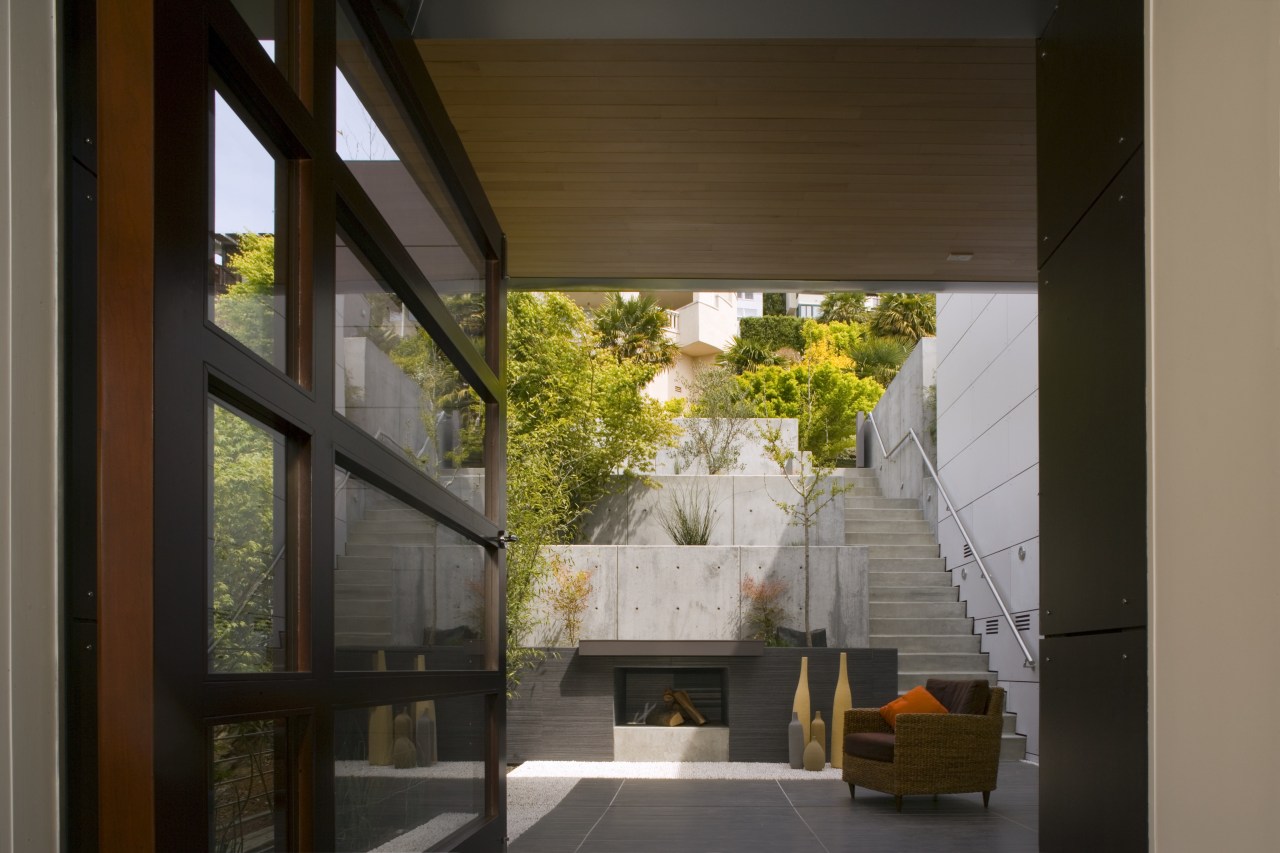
point(639, 690)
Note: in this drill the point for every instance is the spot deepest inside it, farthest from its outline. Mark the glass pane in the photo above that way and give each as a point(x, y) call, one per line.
point(396, 384)
point(264, 18)
point(407, 189)
point(246, 299)
point(408, 592)
point(247, 630)
point(407, 776)
point(250, 799)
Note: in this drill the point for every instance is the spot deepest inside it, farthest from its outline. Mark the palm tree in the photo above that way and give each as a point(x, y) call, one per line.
point(635, 329)
point(879, 358)
point(909, 316)
point(743, 355)
point(848, 307)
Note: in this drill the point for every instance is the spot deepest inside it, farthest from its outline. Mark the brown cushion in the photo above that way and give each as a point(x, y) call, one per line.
point(873, 746)
point(917, 700)
point(961, 697)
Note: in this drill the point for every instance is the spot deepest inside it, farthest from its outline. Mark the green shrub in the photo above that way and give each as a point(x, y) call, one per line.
point(773, 333)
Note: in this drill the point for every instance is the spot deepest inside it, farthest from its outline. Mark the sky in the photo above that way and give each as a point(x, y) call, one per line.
point(244, 177)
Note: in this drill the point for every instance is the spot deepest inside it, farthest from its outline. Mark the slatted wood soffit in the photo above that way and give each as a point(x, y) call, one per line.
point(825, 160)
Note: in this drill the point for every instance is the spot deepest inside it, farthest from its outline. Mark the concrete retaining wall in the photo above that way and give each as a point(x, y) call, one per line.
point(695, 593)
point(751, 457)
point(901, 408)
point(745, 507)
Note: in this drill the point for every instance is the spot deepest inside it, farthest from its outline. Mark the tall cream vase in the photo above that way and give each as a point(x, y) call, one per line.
point(801, 703)
point(843, 702)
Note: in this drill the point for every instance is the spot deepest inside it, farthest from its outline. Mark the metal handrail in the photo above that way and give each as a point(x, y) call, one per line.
point(982, 567)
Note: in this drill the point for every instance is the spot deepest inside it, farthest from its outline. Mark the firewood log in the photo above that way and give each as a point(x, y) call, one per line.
point(686, 706)
point(664, 717)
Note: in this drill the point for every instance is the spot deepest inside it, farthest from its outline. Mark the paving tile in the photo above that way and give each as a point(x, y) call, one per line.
point(707, 793)
point(705, 816)
point(696, 828)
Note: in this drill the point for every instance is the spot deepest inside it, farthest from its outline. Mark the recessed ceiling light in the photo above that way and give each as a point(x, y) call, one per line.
point(960, 256)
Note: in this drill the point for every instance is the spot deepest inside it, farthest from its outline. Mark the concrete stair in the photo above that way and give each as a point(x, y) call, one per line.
point(914, 607)
point(362, 601)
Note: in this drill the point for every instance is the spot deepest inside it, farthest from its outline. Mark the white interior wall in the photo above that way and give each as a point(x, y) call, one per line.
point(29, 474)
point(988, 458)
point(1213, 266)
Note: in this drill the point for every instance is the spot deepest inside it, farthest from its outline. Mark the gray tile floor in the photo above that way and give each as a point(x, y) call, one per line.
point(693, 816)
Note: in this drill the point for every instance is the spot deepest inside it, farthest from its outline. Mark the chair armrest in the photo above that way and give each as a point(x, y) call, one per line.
point(865, 720)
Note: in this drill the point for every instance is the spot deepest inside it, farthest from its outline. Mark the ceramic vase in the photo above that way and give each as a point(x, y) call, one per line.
point(814, 759)
point(381, 733)
point(801, 703)
point(818, 731)
point(425, 737)
point(795, 742)
point(403, 753)
point(843, 702)
point(424, 725)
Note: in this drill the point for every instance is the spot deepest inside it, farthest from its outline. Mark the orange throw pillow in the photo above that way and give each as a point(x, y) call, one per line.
point(917, 700)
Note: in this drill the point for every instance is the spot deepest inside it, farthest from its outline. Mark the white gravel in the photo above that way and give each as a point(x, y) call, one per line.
point(440, 770)
point(536, 787)
point(530, 797)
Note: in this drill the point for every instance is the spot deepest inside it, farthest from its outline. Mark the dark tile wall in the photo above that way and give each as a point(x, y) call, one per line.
point(565, 707)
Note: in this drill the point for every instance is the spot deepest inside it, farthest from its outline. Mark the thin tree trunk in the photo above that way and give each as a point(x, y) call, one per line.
point(808, 634)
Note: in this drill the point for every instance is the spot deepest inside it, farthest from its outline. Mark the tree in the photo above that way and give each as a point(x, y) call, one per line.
point(247, 309)
point(245, 560)
point(773, 333)
point(813, 489)
point(822, 394)
point(635, 330)
point(879, 358)
point(245, 555)
point(719, 413)
point(743, 355)
point(908, 316)
point(850, 307)
point(775, 304)
point(576, 416)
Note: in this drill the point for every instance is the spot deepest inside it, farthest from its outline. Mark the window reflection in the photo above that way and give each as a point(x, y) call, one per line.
point(408, 592)
point(250, 795)
point(247, 630)
point(379, 149)
point(246, 300)
point(398, 386)
point(407, 776)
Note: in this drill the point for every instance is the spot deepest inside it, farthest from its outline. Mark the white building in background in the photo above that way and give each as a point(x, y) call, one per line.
point(702, 325)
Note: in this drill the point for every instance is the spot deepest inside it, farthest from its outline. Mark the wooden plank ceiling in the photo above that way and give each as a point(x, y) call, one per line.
point(825, 160)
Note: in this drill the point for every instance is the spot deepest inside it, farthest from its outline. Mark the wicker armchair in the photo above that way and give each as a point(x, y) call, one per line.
point(949, 753)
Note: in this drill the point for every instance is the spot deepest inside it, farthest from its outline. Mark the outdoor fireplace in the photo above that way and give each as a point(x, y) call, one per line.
point(639, 690)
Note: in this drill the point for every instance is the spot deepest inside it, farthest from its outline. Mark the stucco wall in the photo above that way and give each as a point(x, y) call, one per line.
point(988, 459)
point(30, 503)
point(1213, 230)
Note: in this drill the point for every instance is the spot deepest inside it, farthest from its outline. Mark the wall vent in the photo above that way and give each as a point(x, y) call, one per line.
point(993, 626)
point(1022, 621)
point(968, 552)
